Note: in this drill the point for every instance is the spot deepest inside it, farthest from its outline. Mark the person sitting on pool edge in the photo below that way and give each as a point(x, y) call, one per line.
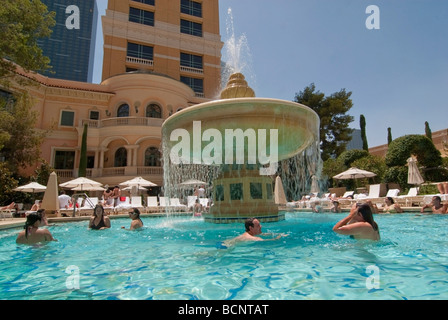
point(136, 223)
point(32, 234)
point(359, 224)
point(436, 206)
point(99, 221)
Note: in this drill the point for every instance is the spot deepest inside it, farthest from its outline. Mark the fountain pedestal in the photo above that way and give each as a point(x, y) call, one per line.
point(240, 192)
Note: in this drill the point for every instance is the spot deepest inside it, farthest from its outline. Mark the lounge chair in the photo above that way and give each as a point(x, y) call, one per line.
point(191, 200)
point(136, 202)
point(411, 198)
point(176, 203)
point(165, 203)
point(123, 204)
point(6, 213)
point(151, 204)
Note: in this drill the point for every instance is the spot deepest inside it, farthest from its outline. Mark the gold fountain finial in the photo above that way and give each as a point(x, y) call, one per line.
point(237, 87)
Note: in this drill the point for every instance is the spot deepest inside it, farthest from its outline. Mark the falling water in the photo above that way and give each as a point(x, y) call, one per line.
point(296, 173)
point(236, 53)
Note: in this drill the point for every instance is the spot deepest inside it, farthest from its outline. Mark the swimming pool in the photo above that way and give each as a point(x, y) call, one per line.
point(181, 258)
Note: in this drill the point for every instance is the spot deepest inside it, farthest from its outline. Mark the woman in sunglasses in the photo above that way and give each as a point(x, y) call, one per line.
point(136, 223)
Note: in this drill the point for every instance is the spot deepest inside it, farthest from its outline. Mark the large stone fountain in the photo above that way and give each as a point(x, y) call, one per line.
point(218, 133)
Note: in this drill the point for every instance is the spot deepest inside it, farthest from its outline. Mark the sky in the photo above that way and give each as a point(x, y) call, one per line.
point(398, 74)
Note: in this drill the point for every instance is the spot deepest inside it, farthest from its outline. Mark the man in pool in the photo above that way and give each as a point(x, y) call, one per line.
point(253, 229)
point(436, 206)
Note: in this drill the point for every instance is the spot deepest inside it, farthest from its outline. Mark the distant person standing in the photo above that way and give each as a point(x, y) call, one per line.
point(201, 192)
point(116, 195)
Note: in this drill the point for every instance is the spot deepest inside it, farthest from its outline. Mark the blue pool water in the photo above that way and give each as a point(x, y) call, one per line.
point(181, 258)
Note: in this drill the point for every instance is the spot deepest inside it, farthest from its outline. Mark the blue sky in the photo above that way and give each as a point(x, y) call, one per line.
point(398, 74)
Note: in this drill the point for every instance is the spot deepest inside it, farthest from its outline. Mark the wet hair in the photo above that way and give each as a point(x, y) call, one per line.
point(137, 212)
point(367, 215)
point(31, 219)
point(390, 199)
point(249, 223)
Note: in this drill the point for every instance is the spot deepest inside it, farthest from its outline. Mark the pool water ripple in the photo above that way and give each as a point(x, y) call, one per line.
point(181, 258)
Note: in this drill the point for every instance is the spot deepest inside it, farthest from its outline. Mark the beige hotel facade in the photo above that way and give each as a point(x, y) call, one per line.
point(160, 56)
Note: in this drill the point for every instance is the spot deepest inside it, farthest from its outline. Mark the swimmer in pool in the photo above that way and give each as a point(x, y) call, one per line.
point(436, 206)
point(359, 223)
point(136, 222)
point(32, 234)
point(390, 206)
point(253, 229)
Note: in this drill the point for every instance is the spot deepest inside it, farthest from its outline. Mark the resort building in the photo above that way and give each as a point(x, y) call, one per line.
point(159, 57)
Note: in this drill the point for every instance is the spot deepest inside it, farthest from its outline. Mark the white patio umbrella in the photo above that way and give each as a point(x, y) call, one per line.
point(414, 176)
point(88, 188)
point(354, 173)
point(32, 187)
point(279, 192)
point(192, 182)
point(81, 183)
point(139, 182)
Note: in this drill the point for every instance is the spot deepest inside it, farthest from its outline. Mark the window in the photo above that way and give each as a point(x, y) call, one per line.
point(152, 157)
point(219, 193)
point(149, 2)
point(256, 191)
point(94, 115)
point(141, 16)
point(236, 191)
point(196, 84)
point(120, 158)
point(153, 111)
point(140, 51)
point(191, 60)
point(191, 7)
point(64, 160)
point(269, 191)
point(190, 27)
point(123, 111)
point(67, 118)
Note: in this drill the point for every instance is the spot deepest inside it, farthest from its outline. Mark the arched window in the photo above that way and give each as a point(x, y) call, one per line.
point(121, 156)
point(123, 111)
point(152, 157)
point(153, 111)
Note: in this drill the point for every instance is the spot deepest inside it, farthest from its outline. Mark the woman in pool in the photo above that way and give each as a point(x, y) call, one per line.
point(390, 206)
point(136, 223)
point(32, 234)
point(99, 221)
point(359, 223)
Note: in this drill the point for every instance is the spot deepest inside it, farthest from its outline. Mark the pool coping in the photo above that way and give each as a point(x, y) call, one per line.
point(19, 222)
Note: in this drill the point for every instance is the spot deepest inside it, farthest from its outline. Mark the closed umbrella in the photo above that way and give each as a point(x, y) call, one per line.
point(414, 176)
point(314, 185)
point(279, 192)
point(50, 202)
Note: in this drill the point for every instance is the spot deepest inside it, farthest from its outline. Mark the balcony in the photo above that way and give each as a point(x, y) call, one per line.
point(140, 61)
point(123, 121)
point(118, 173)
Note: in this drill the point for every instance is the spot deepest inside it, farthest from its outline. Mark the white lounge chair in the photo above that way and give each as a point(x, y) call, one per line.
point(136, 202)
point(175, 202)
point(122, 205)
point(191, 201)
point(152, 204)
point(410, 198)
point(6, 213)
point(393, 193)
